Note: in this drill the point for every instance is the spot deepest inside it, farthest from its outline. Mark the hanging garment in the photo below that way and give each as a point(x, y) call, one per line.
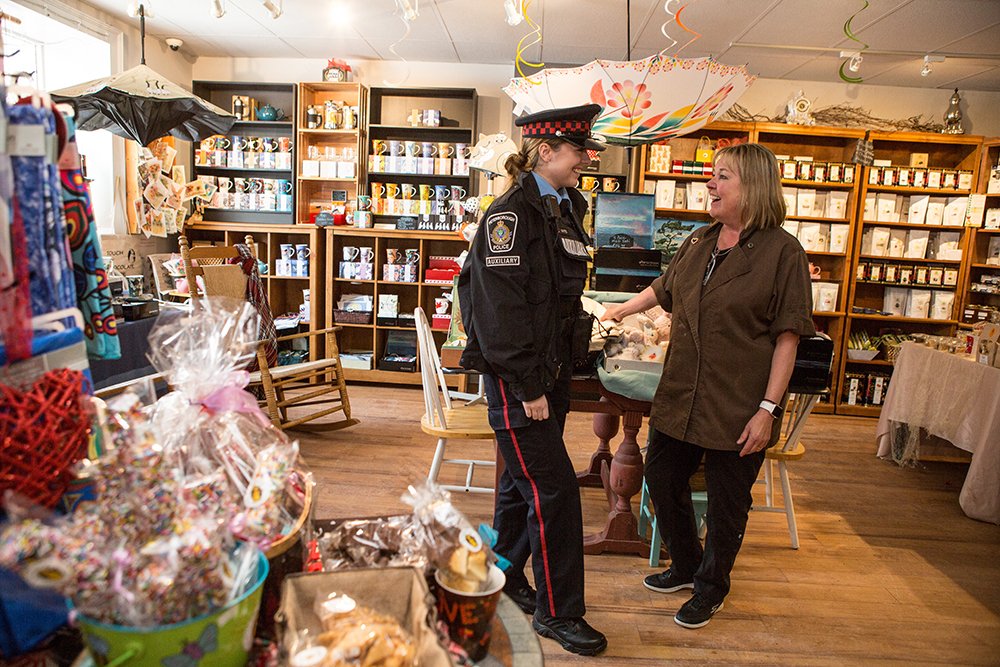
point(15, 295)
point(37, 190)
point(93, 294)
point(257, 297)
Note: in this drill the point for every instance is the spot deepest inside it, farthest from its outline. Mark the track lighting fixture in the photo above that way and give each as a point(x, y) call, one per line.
point(274, 7)
point(514, 12)
point(132, 8)
point(928, 59)
point(218, 8)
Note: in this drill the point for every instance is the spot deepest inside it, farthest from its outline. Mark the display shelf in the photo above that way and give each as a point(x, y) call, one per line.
point(945, 153)
point(419, 129)
point(371, 337)
point(241, 180)
point(817, 185)
point(981, 238)
point(284, 293)
point(318, 193)
point(857, 410)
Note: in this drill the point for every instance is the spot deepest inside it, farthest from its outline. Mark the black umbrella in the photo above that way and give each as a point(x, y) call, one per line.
point(141, 104)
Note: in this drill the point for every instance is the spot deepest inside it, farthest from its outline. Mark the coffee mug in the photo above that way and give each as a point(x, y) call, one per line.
point(463, 150)
point(379, 147)
point(350, 253)
point(611, 184)
point(391, 190)
point(426, 191)
point(364, 203)
point(287, 250)
point(366, 255)
point(377, 190)
point(428, 149)
point(411, 148)
point(457, 192)
point(445, 149)
point(412, 256)
point(441, 305)
point(395, 147)
point(393, 256)
point(407, 190)
point(302, 251)
point(254, 143)
point(442, 192)
point(284, 144)
point(588, 183)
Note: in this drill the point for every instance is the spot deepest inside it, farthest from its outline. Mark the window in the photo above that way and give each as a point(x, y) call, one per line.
point(56, 55)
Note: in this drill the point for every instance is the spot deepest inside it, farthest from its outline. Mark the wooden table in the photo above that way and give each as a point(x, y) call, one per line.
point(620, 475)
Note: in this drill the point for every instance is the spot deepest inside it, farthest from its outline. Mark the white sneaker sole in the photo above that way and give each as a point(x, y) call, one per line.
point(672, 589)
point(695, 626)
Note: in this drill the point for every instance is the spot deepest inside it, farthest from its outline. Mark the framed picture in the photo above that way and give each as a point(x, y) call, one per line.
point(669, 234)
point(624, 220)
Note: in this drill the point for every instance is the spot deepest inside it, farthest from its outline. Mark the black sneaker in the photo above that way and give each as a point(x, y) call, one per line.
point(667, 582)
point(573, 634)
point(696, 612)
point(522, 594)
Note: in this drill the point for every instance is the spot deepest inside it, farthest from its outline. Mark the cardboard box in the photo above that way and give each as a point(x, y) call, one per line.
point(400, 593)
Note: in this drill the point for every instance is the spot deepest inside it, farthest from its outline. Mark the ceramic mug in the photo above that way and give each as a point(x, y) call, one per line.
point(393, 256)
point(463, 150)
point(588, 183)
point(379, 147)
point(428, 149)
point(287, 250)
point(364, 203)
point(445, 149)
point(350, 253)
point(395, 147)
point(426, 191)
point(366, 255)
point(457, 192)
point(442, 192)
point(407, 190)
point(391, 190)
point(411, 148)
point(377, 190)
point(412, 256)
point(441, 305)
point(611, 184)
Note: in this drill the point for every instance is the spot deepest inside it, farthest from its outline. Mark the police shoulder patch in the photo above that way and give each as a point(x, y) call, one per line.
point(500, 230)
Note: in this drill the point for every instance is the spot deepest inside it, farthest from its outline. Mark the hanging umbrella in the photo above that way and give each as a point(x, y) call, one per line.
point(644, 101)
point(143, 105)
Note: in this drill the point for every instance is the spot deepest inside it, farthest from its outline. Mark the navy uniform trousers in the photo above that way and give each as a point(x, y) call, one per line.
point(537, 509)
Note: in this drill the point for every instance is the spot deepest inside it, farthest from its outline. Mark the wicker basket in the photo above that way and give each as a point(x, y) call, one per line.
point(352, 316)
point(892, 352)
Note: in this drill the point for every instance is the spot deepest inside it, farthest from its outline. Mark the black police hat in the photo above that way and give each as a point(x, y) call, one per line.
point(571, 124)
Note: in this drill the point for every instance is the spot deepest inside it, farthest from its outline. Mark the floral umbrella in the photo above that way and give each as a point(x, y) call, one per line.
point(644, 101)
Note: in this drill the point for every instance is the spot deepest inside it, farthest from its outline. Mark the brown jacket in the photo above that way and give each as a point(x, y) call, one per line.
point(723, 334)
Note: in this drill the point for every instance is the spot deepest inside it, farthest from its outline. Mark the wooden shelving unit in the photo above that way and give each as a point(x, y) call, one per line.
point(979, 243)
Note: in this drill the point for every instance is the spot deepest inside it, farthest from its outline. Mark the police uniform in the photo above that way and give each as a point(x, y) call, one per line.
point(519, 291)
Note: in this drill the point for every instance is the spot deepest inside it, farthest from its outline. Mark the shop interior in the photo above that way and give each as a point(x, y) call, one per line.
point(234, 422)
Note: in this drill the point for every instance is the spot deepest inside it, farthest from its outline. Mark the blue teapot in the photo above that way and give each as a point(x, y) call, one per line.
point(267, 112)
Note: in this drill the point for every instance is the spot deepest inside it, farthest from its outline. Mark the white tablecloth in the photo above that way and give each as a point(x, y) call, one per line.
point(956, 399)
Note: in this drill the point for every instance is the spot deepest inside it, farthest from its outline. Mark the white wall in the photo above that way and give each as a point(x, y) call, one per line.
point(766, 96)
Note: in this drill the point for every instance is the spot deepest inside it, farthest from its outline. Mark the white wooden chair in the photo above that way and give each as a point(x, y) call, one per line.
point(444, 420)
point(788, 448)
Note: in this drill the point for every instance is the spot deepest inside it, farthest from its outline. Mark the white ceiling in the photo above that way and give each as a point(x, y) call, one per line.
point(898, 32)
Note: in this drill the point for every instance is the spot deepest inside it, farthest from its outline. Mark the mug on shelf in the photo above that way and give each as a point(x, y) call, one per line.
point(445, 149)
point(442, 192)
point(426, 191)
point(428, 149)
point(379, 147)
point(588, 183)
point(412, 256)
point(393, 256)
point(302, 251)
point(441, 305)
point(457, 192)
point(366, 254)
point(395, 147)
point(364, 203)
point(407, 190)
point(350, 253)
point(611, 184)
point(286, 250)
point(377, 190)
point(411, 148)
point(391, 190)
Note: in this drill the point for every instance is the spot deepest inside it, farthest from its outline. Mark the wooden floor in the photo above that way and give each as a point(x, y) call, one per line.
point(890, 571)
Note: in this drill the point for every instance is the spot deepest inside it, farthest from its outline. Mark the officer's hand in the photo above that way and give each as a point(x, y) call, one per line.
point(538, 408)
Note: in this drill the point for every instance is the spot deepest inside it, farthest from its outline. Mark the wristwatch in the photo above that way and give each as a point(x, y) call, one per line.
point(772, 408)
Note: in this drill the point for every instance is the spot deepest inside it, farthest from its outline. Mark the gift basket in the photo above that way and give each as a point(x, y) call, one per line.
point(168, 560)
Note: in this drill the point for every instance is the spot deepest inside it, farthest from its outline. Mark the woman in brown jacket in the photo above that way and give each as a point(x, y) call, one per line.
point(740, 298)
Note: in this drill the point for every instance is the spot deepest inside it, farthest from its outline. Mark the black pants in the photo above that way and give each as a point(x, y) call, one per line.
point(670, 463)
point(537, 509)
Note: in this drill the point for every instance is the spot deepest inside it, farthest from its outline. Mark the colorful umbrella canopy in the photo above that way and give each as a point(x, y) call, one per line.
point(644, 101)
point(143, 105)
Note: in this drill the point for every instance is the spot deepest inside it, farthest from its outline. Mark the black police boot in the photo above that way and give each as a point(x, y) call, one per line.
point(573, 634)
point(522, 594)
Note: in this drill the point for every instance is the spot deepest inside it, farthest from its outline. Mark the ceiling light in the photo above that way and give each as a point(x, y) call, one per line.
point(514, 12)
point(218, 9)
point(276, 9)
point(132, 8)
point(928, 59)
point(340, 13)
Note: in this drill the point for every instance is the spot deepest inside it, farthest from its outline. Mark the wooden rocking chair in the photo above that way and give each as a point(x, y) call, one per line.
point(313, 388)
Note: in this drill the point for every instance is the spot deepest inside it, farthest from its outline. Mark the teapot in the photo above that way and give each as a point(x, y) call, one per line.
point(267, 112)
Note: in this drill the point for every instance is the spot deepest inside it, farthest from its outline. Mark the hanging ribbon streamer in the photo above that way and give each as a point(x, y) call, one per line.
point(677, 19)
point(849, 32)
point(392, 47)
point(536, 32)
point(663, 27)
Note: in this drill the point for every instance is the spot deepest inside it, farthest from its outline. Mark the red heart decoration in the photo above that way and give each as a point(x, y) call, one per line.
point(43, 432)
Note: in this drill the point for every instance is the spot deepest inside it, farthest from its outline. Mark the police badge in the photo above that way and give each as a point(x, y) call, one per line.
point(500, 228)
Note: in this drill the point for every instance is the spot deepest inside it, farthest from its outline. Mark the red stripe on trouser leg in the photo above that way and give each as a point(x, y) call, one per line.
point(534, 493)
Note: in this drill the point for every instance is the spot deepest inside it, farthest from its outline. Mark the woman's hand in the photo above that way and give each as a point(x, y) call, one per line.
point(614, 311)
point(537, 409)
point(756, 433)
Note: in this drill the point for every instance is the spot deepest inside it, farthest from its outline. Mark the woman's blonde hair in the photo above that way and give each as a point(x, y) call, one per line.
point(526, 159)
point(761, 205)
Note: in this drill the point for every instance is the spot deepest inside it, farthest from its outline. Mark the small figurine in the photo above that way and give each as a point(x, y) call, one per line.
point(797, 110)
point(953, 116)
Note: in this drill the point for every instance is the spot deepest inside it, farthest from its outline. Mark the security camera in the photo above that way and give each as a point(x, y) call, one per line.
point(174, 43)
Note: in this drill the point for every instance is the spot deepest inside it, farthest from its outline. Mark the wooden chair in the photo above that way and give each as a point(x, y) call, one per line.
point(445, 421)
point(304, 386)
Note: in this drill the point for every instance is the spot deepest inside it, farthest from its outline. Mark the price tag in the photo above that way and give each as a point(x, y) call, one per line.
point(26, 141)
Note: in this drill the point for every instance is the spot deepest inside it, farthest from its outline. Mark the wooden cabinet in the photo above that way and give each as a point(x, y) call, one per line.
point(420, 140)
point(254, 164)
point(910, 253)
point(982, 276)
point(284, 293)
point(331, 123)
point(368, 334)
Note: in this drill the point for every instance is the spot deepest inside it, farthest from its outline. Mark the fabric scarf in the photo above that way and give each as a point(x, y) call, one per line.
point(93, 293)
point(257, 297)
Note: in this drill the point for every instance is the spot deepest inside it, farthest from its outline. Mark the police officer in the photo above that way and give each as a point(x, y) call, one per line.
point(519, 293)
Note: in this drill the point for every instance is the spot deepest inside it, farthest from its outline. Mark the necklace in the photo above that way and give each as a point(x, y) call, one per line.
point(716, 253)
